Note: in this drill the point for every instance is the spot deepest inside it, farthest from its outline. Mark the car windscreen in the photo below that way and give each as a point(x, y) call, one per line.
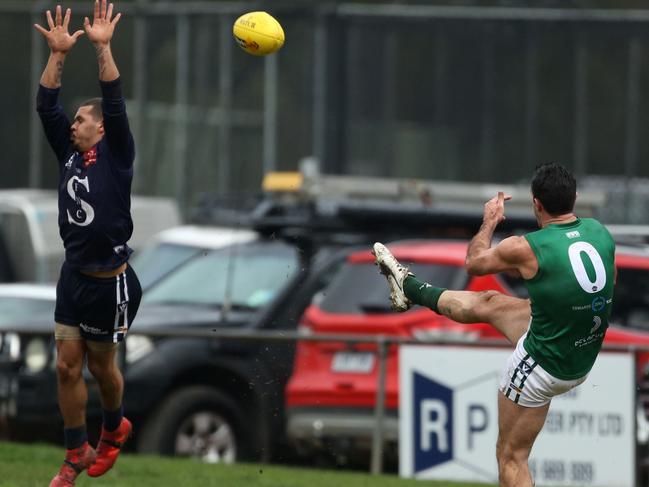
point(21, 309)
point(241, 276)
point(155, 261)
point(359, 288)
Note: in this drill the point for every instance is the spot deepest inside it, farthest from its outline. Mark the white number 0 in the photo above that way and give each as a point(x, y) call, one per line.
point(574, 252)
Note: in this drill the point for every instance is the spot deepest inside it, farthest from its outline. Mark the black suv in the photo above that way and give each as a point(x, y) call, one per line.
point(218, 399)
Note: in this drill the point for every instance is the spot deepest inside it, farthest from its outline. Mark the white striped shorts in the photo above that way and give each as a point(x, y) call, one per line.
point(525, 382)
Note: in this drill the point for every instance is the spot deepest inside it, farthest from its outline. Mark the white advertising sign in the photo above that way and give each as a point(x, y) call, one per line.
point(448, 420)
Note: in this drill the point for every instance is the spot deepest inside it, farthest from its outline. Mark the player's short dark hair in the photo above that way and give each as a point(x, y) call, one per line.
point(95, 105)
point(555, 187)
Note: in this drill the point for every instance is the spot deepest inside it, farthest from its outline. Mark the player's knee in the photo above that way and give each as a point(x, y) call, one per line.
point(508, 456)
point(94, 367)
point(99, 368)
point(103, 369)
point(68, 371)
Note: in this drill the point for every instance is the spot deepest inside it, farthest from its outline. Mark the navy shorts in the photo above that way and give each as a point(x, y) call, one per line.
point(102, 307)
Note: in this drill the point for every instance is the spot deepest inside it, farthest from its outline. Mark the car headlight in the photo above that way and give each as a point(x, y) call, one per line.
point(36, 355)
point(138, 347)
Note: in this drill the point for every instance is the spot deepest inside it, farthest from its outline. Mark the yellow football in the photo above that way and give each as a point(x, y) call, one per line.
point(258, 33)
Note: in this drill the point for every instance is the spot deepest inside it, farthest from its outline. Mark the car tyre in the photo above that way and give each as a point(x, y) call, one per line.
point(198, 421)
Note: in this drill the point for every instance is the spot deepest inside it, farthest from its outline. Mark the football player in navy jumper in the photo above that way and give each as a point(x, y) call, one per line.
point(98, 293)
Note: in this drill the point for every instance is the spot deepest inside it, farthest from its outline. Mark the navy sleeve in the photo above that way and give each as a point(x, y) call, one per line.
point(54, 120)
point(118, 133)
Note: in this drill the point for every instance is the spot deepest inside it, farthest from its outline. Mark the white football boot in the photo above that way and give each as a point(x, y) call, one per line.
point(395, 274)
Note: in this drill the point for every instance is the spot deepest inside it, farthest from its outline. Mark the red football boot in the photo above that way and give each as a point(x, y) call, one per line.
point(109, 447)
point(76, 461)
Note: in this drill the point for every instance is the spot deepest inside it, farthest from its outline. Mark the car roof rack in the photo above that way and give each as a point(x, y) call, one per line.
point(349, 208)
point(309, 203)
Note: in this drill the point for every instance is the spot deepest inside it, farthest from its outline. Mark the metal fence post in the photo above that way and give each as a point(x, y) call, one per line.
point(320, 73)
point(225, 103)
point(183, 34)
point(581, 104)
point(633, 77)
point(37, 48)
point(379, 407)
point(271, 127)
point(140, 81)
point(531, 95)
point(487, 120)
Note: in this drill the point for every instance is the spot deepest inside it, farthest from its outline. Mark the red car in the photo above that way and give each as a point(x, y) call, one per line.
point(331, 395)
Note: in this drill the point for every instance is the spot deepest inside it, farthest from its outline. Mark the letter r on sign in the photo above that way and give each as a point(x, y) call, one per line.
point(434, 419)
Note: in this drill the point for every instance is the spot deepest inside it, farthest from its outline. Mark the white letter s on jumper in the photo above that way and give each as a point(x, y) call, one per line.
point(87, 209)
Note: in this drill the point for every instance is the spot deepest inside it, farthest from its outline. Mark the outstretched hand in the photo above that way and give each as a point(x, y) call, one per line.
point(494, 209)
point(103, 24)
point(58, 38)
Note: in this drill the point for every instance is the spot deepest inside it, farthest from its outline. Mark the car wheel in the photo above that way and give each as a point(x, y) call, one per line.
point(198, 422)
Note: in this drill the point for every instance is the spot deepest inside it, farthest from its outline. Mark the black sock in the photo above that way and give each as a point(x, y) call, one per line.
point(422, 293)
point(75, 437)
point(112, 419)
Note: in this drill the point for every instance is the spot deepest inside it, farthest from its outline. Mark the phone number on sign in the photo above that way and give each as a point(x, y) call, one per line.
point(558, 470)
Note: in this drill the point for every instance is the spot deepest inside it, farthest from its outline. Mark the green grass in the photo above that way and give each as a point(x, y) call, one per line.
point(34, 465)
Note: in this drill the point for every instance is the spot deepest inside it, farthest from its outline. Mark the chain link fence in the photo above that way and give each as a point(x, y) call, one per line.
point(422, 91)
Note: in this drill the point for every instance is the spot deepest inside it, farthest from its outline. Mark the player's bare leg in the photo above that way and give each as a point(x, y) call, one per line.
point(507, 314)
point(103, 367)
point(72, 397)
point(518, 427)
point(72, 391)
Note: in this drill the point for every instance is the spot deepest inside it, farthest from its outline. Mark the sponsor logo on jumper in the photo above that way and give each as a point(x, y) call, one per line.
point(597, 322)
point(598, 304)
point(581, 308)
point(119, 249)
point(573, 234)
point(68, 164)
point(592, 338)
point(121, 307)
point(594, 335)
point(90, 157)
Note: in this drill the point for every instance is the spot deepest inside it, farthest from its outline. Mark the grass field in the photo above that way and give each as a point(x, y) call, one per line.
point(34, 465)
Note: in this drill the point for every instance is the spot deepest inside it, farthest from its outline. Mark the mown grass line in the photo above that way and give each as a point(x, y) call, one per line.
point(34, 465)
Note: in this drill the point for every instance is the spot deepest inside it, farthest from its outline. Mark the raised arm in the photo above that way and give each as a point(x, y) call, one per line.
point(60, 42)
point(55, 122)
point(118, 133)
point(100, 33)
point(511, 254)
